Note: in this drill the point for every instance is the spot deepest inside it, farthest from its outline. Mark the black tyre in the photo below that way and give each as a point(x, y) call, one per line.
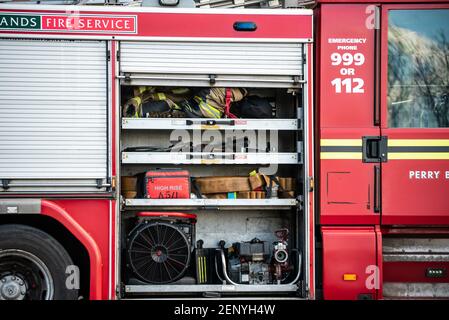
point(33, 265)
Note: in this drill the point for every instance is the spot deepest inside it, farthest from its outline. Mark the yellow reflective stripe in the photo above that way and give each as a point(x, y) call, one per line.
point(418, 155)
point(212, 161)
point(180, 90)
point(341, 155)
point(391, 142)
point(200, 270)
point(138, 100)
point(341, 142)
point(205, 270)
point(209, 127)
point(161, 96)
point(418, 142)
point(209, 111)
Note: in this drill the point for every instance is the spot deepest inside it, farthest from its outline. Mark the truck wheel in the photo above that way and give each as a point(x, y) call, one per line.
point(32, 265)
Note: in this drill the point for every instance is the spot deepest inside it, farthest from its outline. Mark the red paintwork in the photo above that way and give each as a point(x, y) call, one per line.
point(416, 271)
point(311, 172)
point(382, 1)
point(408, 201)
point(343, 184)
point(114, 162)
point(346, 194)
point(168, 214)
point(379, 261)
point(88, 221)
point(347, 186)
point(342, 110)
point(414, 231)
point(115, 118)
point(167, 24)
point(347, 250)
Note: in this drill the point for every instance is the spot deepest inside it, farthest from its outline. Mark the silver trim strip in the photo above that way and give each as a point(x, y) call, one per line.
point(173, 288)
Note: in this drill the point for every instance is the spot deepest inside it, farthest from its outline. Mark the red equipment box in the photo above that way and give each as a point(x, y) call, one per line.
point(167, 184)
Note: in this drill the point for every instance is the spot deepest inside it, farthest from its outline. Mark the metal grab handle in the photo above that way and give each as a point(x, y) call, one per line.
point(211, 122)
point(210, 156)
point(377, 191)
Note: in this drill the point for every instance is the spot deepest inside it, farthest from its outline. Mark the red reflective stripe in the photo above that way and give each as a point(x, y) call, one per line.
point(167, 214)
point(228, 104)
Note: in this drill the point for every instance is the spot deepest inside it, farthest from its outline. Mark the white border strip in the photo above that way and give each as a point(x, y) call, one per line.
point(107, 9)
point(58, 35)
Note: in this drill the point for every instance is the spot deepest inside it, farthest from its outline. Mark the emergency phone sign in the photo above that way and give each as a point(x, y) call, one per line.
point(347, 59)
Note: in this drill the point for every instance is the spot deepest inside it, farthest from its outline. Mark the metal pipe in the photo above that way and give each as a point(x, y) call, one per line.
point(299, 268)
point(216, 270)
point(225, 272)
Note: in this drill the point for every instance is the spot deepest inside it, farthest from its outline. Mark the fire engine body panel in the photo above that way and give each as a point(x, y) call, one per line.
point(367, 217)
point(94, 58)
point(383, 148)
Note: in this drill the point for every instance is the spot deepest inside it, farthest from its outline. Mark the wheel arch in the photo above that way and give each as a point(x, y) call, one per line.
point(81, 247)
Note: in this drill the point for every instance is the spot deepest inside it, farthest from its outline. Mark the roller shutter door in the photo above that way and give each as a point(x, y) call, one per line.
point(246, 64)
point(53, 115)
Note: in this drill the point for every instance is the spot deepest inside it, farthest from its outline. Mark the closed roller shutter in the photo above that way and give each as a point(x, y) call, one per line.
point(249, 64)
point(53, 114)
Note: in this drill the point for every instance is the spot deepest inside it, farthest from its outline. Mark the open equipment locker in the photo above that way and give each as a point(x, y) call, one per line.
point(275, 67)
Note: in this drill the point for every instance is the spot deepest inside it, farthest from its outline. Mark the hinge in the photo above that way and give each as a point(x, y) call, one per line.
point(212, 79)
point(296, 80)
point(311, 184)
point(108, 55)
point(99, 183)
point(374, 149)
point(113, 183)
point(5, 184)
point(117, 55)
point(120, 290)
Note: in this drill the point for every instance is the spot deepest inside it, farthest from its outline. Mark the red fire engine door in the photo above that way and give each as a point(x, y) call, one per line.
point(349, 185)
point(415, 114)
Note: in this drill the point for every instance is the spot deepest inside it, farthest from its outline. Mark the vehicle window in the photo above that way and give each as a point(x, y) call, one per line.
point(418, 68)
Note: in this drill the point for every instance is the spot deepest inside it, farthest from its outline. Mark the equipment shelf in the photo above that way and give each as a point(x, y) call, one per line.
point(209, 124)
point(222, 204)
point(210, 158)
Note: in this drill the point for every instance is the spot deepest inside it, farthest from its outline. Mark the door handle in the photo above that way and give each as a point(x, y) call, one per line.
point(374, 149)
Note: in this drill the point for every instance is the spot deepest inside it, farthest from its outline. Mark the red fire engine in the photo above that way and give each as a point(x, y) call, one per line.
point(347, 199)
